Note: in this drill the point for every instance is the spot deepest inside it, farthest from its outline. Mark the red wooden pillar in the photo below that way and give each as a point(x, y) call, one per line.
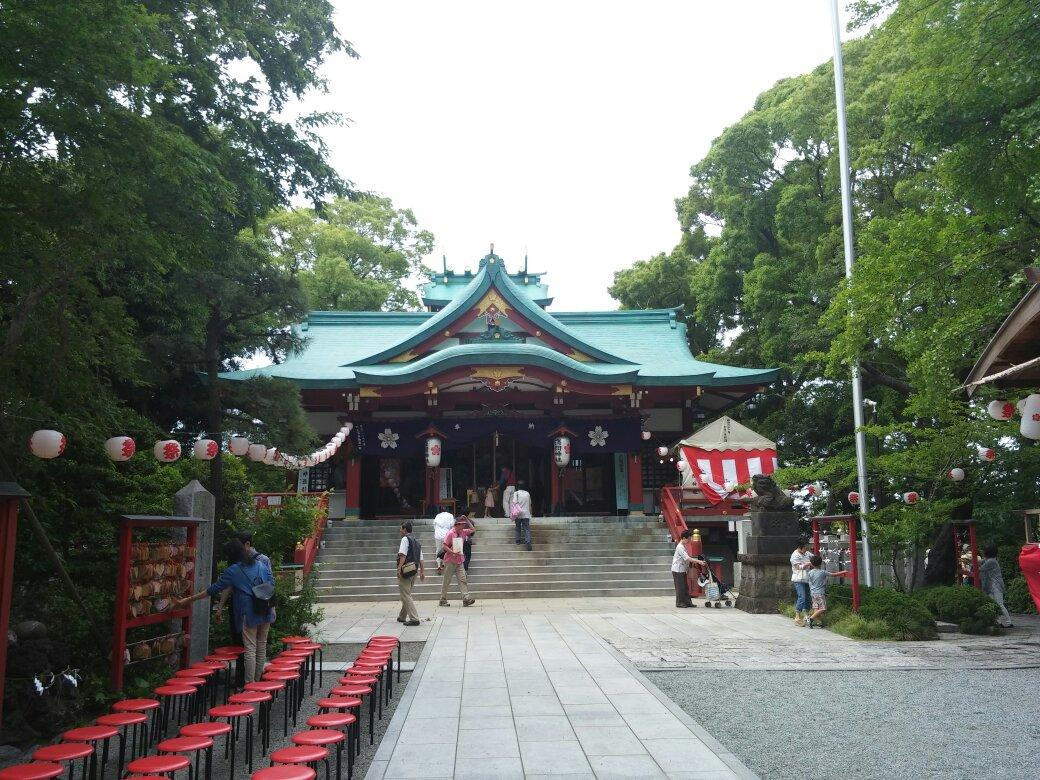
point(555, 493)
point(352, 484)
point(635, 483)
point(10, 496)
point(433, 487)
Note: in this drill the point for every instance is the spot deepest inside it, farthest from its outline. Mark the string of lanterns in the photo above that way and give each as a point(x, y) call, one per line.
point(48, 444)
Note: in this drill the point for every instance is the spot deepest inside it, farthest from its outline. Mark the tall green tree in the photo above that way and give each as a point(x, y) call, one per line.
point(352, 255)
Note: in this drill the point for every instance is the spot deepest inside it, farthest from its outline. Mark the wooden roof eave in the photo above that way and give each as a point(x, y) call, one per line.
point(1016, 340)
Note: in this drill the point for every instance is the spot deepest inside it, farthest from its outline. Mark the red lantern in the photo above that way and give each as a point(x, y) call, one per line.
point(120, 448)
point(854, 498)
point(167, 450)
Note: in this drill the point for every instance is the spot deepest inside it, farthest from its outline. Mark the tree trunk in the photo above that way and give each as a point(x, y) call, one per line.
point(942, 559)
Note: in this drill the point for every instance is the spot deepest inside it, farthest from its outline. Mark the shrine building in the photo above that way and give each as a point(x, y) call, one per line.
point(496, 378)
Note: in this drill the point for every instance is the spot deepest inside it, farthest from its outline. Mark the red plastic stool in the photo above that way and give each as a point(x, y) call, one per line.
point(263, 700)
point(175, 699)
point(359, 678)
point(91, 735)
point(235, 650)
point(308, 755)
point(327, 738)
point(38, 770)
point(160, 765)
point(124, 721)
point(145, 706)
point(211, 729)
point(194, 746)
point(339, 720)
point(285, 772)
point(234, 713)
point(65, 753)
point(362, 691)
point(273, 688)
point(293, 688)
point(388, 646)
point(317, 660)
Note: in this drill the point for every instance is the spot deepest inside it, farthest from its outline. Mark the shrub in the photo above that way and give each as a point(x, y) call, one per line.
point(972, 610)
point(905, 617)
point(857, 627)
point(277, 530)
point(1018, 599)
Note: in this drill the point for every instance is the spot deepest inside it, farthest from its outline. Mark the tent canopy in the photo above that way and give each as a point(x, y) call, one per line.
point(727, 434)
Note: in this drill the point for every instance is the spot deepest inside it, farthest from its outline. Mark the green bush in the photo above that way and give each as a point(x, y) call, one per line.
point(1007, 557)
point(857, 627)
point(277, 530)
point(1018, 599)
point(904, 617)
point(972, 610)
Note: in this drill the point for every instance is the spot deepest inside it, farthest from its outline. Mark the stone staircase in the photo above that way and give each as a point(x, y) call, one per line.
point(572, 557)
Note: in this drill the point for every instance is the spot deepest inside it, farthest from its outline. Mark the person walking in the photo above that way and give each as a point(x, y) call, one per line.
point(442, 523)
point(409, 564)
point(993, 581)
point(801, 562)
point(247, 572)
point(507, 484)
point(520, 511)
point(247, 541)
point(681, 562)
point(454, 560)
point(467, 544)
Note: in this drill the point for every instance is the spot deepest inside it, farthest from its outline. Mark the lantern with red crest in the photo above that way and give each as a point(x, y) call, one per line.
point(987, 454)
point(1030, 425)
point(956, 474)
point(205, 449)
point(911, 497)
point(645, 435)
point(1000, 410)
point(257, 452)
point(238, 445)
point(47, 444)
point(561, 451)
point(662, 451)
point(854, 498)
point(167, 450)
point(433, 452)
point(120, 448)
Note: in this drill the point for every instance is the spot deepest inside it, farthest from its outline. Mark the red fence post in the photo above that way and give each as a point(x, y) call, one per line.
point(10, 496)
point(815, 536)
point(854, 550)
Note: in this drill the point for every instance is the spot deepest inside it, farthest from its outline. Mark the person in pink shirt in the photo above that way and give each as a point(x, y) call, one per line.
point(453, 561)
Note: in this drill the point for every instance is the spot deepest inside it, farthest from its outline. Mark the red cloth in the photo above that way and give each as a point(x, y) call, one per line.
point(1029, 563)
point(713, 468)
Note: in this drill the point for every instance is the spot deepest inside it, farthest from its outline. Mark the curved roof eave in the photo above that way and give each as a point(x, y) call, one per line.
point(495, 355)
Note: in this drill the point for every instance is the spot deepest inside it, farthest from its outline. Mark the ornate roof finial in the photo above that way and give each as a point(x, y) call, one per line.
point(492, 248)
point(444, 259)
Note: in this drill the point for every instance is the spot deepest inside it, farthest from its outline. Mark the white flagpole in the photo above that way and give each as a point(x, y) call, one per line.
point(846, 223)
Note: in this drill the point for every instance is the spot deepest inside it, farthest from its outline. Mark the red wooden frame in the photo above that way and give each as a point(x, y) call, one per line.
point(10, 500)
point(852, 522)
point(123, 623)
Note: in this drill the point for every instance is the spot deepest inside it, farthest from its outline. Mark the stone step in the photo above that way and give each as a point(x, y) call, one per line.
point(510, 551)
point(512, 593)
point(518, 581)
point(563, 533)
point(526, 560)
point(533, 574)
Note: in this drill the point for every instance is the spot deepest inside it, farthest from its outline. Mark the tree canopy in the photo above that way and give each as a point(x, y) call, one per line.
point(943, 109)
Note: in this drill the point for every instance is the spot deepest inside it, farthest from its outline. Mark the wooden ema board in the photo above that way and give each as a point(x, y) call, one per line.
point(152, 569)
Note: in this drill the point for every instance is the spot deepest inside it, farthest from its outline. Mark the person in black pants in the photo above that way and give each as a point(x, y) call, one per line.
point(467, 545)
point(236, 635)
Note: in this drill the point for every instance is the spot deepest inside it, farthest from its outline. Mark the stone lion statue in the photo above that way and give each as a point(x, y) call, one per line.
point(768, 496)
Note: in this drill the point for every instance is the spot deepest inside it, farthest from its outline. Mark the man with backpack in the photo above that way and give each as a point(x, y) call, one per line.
point(520, 512)
point(409, 563)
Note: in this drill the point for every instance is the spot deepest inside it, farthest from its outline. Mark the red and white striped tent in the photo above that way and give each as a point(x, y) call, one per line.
point(724, 452)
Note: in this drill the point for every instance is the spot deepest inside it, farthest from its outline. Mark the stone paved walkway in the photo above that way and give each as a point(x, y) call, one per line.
point(654, 636)
point(530, 695)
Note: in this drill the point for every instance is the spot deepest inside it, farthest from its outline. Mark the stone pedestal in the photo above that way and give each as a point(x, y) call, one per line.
point(765, 571)
point(193, 500)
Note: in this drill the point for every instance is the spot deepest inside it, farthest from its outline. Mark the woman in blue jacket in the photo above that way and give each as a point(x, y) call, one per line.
point(241, 577)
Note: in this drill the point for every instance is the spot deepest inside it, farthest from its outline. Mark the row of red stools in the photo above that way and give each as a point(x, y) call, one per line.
point(186, 699)
point(338, 724)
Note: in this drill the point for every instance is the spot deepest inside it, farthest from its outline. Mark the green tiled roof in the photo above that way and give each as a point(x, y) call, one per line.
point(446, 286)
point(647, 348)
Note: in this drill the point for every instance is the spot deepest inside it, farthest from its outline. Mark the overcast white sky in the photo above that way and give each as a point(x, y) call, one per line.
point(565, 128)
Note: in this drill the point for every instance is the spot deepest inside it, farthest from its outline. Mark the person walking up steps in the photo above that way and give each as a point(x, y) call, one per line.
point(520, 512)
point(409, 563)
point(506, 484)
point(453, 562)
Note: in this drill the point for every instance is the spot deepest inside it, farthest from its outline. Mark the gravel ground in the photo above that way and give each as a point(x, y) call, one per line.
point(885, 724)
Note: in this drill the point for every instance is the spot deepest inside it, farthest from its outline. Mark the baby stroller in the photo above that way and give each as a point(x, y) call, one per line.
point(716, 592)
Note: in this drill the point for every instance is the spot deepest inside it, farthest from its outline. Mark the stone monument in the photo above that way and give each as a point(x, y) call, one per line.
point(765, 571)
point(193, 500)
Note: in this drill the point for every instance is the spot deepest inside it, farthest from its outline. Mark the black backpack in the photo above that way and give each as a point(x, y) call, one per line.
point(263, 592)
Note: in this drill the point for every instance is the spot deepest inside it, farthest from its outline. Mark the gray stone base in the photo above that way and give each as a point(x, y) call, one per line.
point(765, 571)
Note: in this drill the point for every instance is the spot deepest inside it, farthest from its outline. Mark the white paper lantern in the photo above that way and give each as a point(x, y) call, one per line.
point(662, 451)
point(645, 435)
point(854, 498)
point(120, 448)
point(205, 449)
point(561, 451)
point(956, 474)
point(167, 450)
point(238, 445)
point(1020, 405)
point(433, 452)
point(1001, 410)
point(257, 452)
point(347, 428)
point(911, 497)
point(47, 444)
point(339, 438)
point(988, 453)
point(1030, 425)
